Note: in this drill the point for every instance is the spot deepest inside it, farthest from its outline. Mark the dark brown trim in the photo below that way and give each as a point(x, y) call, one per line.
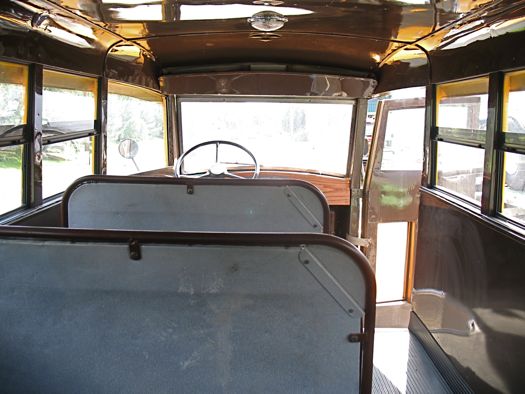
point(178, 130)
point(489, 192)
point(32, 191)
point(471, 137)
point(498, 223)
point(68, 136)
point(193, 182)
point(244, 239)
point(355, 159)
point(512, 142)
point(268, 83)
point(428, 142)
point(18, 139)
point(100, 148)
point(170, 128)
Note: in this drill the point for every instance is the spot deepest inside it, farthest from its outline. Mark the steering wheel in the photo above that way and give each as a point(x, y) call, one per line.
point(218, 168)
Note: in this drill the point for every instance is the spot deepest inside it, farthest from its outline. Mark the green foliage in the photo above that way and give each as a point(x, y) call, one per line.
point(129, 117)
point(11, 157)
point(11, 104)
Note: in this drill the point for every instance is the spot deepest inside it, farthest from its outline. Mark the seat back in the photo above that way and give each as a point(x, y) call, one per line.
point(169, 204)
point(114, 311)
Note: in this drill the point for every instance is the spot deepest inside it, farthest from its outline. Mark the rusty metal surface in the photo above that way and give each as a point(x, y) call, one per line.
point(469, 292)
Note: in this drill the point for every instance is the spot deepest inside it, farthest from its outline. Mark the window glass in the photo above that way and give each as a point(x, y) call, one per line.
point(13, 82)
point(514, 119)
point(308, 136)
point(460, 170)
point(68, 103)
point(63, 162)
point(11, 178)
point(136, 126)
point(463, 105)
point(391, 260)
point(514, 187)
point(403, 147)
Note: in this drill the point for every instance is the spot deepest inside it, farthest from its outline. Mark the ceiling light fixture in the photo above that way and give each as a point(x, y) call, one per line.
point(267, 21)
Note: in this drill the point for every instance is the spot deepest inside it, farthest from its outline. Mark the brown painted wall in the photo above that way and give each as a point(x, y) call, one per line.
point(470, 293)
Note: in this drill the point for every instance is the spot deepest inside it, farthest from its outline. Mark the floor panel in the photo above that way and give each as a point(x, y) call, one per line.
point(401, 365)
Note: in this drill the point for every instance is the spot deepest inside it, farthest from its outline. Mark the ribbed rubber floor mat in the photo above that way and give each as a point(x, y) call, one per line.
point(401, 365)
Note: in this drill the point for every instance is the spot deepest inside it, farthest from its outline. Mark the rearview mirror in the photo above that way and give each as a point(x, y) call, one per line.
point(128, 149)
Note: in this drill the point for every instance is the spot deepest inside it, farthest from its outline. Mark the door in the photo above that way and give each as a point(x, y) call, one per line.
point(391, 194)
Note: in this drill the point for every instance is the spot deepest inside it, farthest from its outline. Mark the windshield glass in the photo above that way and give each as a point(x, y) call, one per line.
point(310, 136)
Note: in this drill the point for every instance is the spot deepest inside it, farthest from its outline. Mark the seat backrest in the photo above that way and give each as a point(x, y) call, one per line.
point(98, 310)
point(170, 204)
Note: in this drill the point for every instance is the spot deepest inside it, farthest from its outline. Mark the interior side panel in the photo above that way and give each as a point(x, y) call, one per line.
point(469, 292)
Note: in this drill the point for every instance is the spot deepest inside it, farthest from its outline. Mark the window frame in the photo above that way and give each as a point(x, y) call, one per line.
point(496, 143)
point(32, 140)
point(21, 139)
point(69, 136)
point(505, 142)
point(473, 138)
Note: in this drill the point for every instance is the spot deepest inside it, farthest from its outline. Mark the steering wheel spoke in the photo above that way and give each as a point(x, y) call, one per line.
point(219, 168)
point(231, 175)
point(207, 173)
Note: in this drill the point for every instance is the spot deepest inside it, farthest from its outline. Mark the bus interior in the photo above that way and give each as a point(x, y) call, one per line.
point(262, 196)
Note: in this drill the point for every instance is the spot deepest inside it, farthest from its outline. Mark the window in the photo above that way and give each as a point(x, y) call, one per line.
point(68, 117)
point(402, 150)
point(513, 174)
point(135, 130)
point(463, 105)
point(11, 178)
point(462, 156)
point(461, 133)
point(63, 162)
point(68, 104)
point(462, 177)
point(312, 136)
point(13, 91)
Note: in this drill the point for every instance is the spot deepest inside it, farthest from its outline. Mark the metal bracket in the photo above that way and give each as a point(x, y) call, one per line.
point(364, 242)
point(302, 208)
point(330, 284)
point(134, 250)
point(357, 193)
point(359, 337)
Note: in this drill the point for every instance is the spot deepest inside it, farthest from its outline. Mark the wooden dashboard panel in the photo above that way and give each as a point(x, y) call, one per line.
point(335, 189)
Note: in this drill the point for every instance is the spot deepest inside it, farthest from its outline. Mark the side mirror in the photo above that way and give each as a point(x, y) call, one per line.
point(128, 149)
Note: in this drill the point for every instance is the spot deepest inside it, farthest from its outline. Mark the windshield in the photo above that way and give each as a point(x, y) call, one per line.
point(309, 136)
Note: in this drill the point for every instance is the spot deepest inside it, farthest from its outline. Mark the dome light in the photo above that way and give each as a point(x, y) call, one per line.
point(267, 21)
